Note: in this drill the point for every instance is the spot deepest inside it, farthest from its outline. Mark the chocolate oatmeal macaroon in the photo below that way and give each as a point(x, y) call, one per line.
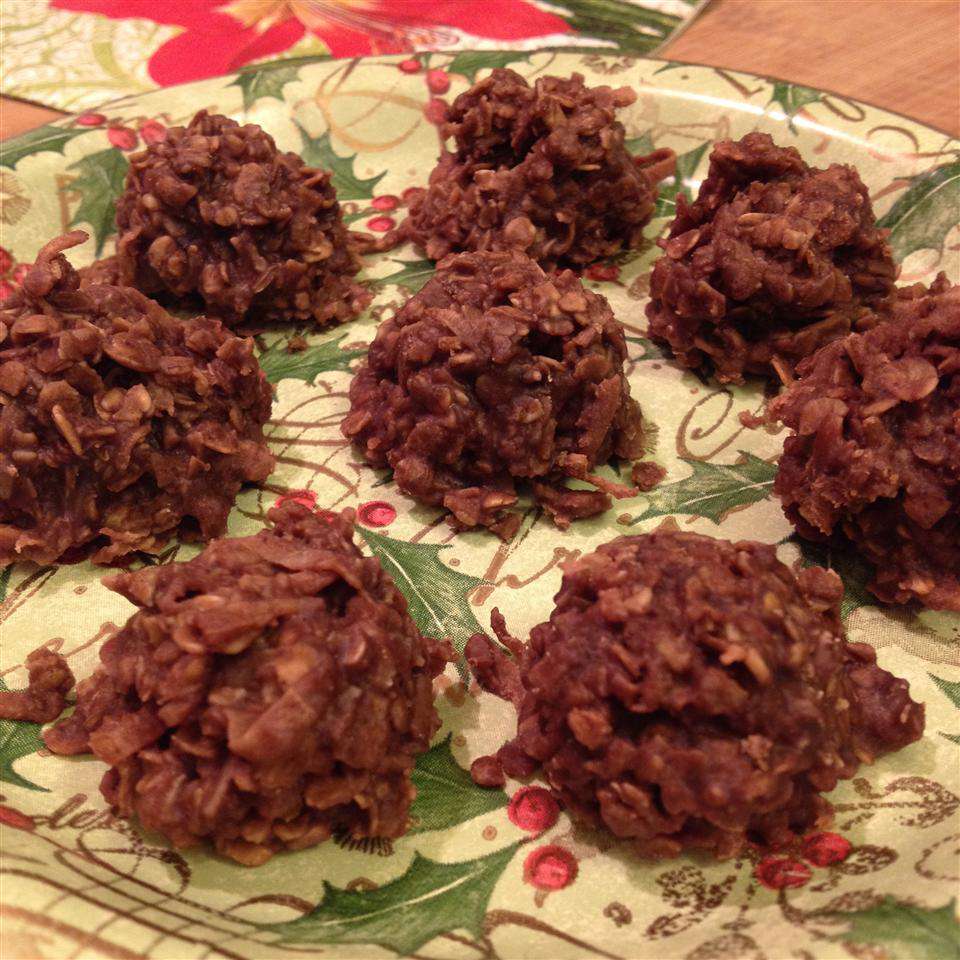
point(874, 460)
point(771, 261)
point(215, 213)
point(267, 694)
point(496, 373)
point(120, 425)
point(689, 692)
point(541, 169)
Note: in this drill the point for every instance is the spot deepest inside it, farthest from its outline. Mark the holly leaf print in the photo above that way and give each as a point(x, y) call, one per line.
point(651, 351)
point(793, 97)
point(853, 570)
point(712, 490)
point(639, 146)
point(446, 794)
point(259, 82)
point(99, 182)
point(17, 739)
point(632, 27)
point(428, 899)
point(5, 575)
point(47, 137)
point(905, 931)
point(412, 275)
point(951, 689)
point(436, 593)
point(318, 152)
point(278, 363)
point(468, 63)
point(924, 215)
point(687, 164)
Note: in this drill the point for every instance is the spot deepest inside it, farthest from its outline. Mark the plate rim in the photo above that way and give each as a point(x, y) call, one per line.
point(321, 58)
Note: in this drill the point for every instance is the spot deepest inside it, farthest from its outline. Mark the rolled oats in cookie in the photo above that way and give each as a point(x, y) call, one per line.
point(266, 694)
point(496, 374)
point(216, 214)
point(539, 168)
point(120, 426)
point(689, 692)
point(49, 682)
point(773, 260)
point(873, 462)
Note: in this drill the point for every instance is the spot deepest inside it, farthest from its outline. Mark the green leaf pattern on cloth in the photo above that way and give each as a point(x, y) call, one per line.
point(412, 275)
point(279, 363)
point(436, 593)
point(264, 80)
point(428, 898)
point(47, 137)
point(924, 215)
point(17, 739)
point(446, 796)
point(319, 152)
point(712, 490)
point(905, 931)
point(468, 63)
point(99, 182)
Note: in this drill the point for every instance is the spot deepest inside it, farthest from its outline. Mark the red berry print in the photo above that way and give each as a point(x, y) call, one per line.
point(306, 498)
point(409, 66)
point(823, 849)
point(152, 131)
point(602, 271)
point(381, 224)
point(533, 809)
point(6, 261)
point(385, 202)
point(122, 137)
point(90, 120)
point(5, 290)
point(20, 272)
point(376, 513)
point(438, 81)
point(550, 868)
point(778, 873)
point(436, 110)
point(14, 818)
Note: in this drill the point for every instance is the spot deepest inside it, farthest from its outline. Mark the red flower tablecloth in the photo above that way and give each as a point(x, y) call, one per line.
point(74, 54)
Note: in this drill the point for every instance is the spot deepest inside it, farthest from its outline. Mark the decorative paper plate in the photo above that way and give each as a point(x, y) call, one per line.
point(502, 873)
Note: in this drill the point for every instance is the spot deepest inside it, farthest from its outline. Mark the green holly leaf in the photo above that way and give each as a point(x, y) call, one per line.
point(853, 570)
point(949, 687)
point(5, 575)
point(412, 275)
point(712, 490)
point(47, 137)
point(446, 795)
point(632, 27)
point(952, 737)
point(640, 146)
point(436, 594)
point(278, 363)
point(17, 739)
point(930, 208)
point(258, 82)
point(651, 351)
point(687, 164)
point(905, 931)
point(793, 97)
point(428, 899)
point(470, 62)
point(99, 182)
point(318, 152)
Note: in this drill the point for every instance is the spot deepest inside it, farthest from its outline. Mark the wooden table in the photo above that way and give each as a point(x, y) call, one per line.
point(900, 54)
